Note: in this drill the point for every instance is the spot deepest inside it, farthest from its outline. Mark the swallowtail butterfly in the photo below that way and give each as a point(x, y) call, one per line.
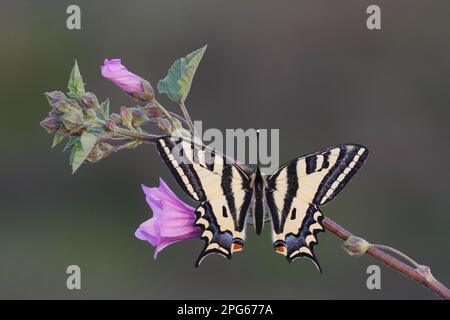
point(292, 195)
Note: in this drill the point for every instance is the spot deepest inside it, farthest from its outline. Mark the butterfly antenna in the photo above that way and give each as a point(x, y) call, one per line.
point(257, 148)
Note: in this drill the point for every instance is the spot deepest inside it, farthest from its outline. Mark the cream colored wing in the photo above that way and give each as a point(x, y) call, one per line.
point(296, 190)
point(222, 188)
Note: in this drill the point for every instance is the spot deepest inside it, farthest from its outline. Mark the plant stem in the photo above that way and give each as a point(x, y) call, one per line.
point(411, 261)
point(135, 135)
point(167, 114)
point(129, 145)
point(187, 117)
point(421, 274)
point(182, 120)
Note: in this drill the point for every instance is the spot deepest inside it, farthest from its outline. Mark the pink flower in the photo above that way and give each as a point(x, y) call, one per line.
point(172, 220)
point(116, 72)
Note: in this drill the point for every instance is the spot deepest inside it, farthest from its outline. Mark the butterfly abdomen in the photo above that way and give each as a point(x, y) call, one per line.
point(258, 203)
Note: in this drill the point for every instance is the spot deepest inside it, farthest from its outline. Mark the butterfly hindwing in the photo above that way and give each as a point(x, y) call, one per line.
point(221, 187)
point(295, 191)
point(222, 233)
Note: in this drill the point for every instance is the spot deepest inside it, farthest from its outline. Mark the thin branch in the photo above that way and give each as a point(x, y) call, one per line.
point(400, 254)
point(135, 135)
point(187, 117)
point(182, 120)
point(421, 274)
point(126, 133)
point(129, 145)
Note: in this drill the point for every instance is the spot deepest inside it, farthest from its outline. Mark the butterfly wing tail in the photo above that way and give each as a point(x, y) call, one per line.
point(224, 243)
point(302, 244)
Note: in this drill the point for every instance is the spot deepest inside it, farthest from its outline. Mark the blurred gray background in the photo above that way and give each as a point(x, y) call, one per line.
point(310, 68)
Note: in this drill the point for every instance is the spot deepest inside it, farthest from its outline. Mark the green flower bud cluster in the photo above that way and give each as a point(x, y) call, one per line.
point(91, 132)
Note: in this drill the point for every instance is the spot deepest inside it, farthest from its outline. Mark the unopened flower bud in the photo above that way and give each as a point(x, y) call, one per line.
point(148, 95)
point(55, 96)
point(117, 119)
point(89, 100)
point(65, 105)
point(106, 148)
point(356, 246)
point(50, 124)
point(110, 123)
point(137, 87)
point(126, 116)
point(164, 125)
point(124, 112)
point(73, 120)
point(153, 111)
point(138, 117)
point(100, 151)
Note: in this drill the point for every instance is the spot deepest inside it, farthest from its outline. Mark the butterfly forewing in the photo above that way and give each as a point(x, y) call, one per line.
point(295, 191)
point(222, 188)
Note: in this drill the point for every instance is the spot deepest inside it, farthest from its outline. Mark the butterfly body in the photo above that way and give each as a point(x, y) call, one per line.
point(258, 186)
point(292, 195)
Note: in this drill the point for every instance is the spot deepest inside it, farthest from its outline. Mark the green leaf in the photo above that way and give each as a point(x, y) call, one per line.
point(177, 83)
point(82, 150)
point(57, 138)
point(75, 85)
point(97, 130)
point(105, 107)
point(71, 143)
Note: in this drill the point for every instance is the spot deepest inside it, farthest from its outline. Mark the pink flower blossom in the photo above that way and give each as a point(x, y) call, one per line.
point(172, 221)
point(114, 71)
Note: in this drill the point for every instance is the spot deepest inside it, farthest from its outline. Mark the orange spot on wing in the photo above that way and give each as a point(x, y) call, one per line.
point(237, 247)
point(281, 249)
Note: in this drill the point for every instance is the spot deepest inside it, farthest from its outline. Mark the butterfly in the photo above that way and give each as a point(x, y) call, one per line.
point(291, 196)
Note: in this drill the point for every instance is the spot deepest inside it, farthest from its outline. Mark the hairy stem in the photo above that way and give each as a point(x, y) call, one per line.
point(129, 145)
point(145, 137)
point(187, 117)
point(167, 114)
point(400, 254)
point(421, 274)
point(182, 120)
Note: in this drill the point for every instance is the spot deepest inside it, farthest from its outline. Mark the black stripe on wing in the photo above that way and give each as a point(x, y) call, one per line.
point(292, 187)
point(351, 158)
point(306, 238)
point(273, 211)
point(223, 188)
point(216, 241)
point(227, 179)
point(191, 184)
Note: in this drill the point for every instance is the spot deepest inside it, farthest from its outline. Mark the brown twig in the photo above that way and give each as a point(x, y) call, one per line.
point(422, 274)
